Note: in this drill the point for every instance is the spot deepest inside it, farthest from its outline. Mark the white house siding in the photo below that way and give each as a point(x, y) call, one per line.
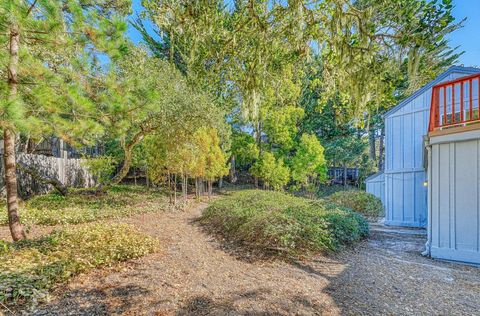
point(454, 212)
point(376, 186)
point(405, 128)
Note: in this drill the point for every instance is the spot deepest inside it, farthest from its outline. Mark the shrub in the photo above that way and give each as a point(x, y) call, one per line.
point(359, 201)
point(324, 191)
point(101, 168)
point(283, 224)
point(28, 269)
point(81, 207)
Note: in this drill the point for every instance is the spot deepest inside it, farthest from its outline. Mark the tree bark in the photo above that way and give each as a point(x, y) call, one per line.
point(232, 173)
point(372, 144)
point(16, 228)
point(258, 139)
point(381, 153)
point(184, 187)
point(209, 189)
point(175, 189)
point(128, 152)
point(344, 174)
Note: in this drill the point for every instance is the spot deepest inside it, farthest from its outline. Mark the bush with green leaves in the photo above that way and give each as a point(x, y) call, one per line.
point(325, 190)
point(102, 168)
point(80, 206)
point(359, 201)
point(30, 268)
point(278, 223)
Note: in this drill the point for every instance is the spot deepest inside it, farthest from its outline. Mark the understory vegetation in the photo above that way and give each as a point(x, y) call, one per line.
point(359, 201)
point(82, 206)
point(278, 223)
point(28, 269)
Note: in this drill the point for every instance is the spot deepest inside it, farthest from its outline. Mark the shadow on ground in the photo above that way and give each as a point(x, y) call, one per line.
point(105, 301)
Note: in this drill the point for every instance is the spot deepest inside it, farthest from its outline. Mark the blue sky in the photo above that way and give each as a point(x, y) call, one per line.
point(468, 37)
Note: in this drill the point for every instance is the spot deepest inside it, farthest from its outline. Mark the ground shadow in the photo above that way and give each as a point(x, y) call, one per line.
point(238, 303)
point(108, 301)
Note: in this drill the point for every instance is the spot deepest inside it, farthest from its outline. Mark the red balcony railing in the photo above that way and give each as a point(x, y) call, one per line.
point(455, 103)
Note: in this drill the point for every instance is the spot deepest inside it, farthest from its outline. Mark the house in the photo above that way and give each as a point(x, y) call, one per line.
point(424, 184)
point(453, 170)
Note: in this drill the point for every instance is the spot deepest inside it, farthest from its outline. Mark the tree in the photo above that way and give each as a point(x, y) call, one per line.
point(346, 151)
point(47, 45)
point(308, 165)
point(214, 159)
point(244, 152)
point(135, 105)
point(273, 171)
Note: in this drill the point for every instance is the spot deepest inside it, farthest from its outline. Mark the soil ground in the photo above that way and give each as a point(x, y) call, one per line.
point(196, 274)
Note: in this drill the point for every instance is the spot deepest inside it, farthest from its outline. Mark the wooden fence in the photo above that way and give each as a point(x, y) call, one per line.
point(69, 171)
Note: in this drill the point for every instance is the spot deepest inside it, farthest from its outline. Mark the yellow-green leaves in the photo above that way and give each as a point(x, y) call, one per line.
point(273, 171)
point(308, 164)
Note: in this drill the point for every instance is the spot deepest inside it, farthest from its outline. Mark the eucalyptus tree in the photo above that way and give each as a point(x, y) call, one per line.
point(44, 48)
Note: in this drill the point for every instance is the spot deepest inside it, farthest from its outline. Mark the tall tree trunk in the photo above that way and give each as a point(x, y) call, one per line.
point(258, 139)
point(175, 189)
point(147, 181)
point(209, 189)
point(372, 144)
point(344, 174)
point(381, 150)
point(201, 188)
point(16, 229)
point(184, 187)
point(232, 173)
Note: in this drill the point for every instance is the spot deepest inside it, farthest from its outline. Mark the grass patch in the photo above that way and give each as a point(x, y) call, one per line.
point(274, 222)
point(359, 201)
point(80, 207)
point(30, 268)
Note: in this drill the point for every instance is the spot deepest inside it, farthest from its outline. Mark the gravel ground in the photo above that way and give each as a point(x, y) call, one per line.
point(197, 275)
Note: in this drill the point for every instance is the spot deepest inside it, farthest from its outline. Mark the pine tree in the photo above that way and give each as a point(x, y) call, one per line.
point(48, 44)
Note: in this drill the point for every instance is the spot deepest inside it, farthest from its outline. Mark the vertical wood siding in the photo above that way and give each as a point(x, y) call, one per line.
point(455, 190)
point(405, 193)
point(376, 186)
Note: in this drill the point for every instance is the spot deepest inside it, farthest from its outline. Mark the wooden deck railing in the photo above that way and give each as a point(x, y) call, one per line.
point(455, 103)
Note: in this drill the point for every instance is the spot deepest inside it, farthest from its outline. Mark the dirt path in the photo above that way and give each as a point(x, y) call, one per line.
point(193, 275)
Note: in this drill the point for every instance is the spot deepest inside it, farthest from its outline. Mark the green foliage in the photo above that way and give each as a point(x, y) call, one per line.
point(273, 171)
point(274, 222)
point(81, 207)
point(210, 154)
point(29, 269)
point(101, 168)
point(281, 125)
point(244, 148)
point(347, 150)
point(325, 191)
point(53, 94)
point(308, 164)
point(359, 201)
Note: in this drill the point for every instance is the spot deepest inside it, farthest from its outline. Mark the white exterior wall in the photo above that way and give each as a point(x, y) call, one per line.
point(405, 128)
point(454, 205)
point(376, 186)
